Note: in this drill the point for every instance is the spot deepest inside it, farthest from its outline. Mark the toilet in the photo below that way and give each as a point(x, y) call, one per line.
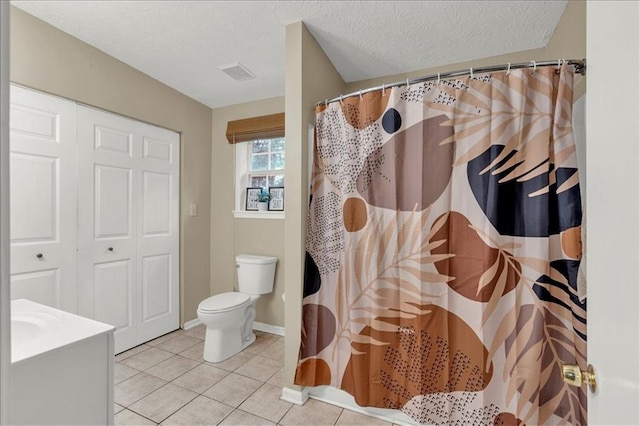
point(229, 316)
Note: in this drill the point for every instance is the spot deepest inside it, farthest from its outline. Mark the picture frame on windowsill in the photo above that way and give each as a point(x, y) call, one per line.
point(252, 199)
point(276, 202)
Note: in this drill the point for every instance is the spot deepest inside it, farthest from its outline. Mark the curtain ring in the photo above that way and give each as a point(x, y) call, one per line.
point(559, 63)
point(407, 83)
point(508, 68)
point(382, 89)
point(360, 93)
point(534, 67)
point(341, 98)
point(471, 72)
point(438, 82)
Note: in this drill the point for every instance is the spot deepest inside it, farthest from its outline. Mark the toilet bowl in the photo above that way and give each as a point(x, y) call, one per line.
point(223, 314)
point(229, 316)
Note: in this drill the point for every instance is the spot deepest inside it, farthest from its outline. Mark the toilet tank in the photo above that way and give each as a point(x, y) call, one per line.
point(255, 273)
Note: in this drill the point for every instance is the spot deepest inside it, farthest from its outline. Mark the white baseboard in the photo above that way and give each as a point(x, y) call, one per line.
point(298, 397)
point(340, 398)
point(259, 326)
point(191, 324)
point(268, 328)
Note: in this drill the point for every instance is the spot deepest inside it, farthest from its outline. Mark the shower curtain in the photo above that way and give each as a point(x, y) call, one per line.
point(443, 246)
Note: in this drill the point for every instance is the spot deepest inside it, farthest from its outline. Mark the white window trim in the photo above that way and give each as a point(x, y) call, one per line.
point(242, 155)
point(244, 214)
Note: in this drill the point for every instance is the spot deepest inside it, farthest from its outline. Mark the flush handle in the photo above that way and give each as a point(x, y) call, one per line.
point(572, 375)
point(40, 256)
point(110, 249)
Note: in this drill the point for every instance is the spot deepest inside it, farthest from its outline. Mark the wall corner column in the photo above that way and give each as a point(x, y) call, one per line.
point(309, 76)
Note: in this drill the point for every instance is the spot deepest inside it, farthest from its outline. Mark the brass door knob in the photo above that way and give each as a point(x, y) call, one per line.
point(572, 375)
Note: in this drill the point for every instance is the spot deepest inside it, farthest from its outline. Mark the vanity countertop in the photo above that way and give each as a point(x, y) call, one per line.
point(37, 329)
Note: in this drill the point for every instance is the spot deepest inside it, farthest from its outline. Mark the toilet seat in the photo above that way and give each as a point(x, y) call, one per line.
point(223, 302)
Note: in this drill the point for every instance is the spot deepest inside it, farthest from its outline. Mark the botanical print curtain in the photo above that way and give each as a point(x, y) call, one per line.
point(443, 247)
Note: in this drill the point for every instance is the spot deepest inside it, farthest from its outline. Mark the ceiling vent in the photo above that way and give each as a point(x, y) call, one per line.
point(238, 72)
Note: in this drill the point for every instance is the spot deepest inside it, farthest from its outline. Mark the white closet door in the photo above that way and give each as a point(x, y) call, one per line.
point(128, 226)
point(43, 199)
point(158, 233)
point(107, 210)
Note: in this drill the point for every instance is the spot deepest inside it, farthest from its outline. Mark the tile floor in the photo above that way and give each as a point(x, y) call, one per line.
point(166, 381)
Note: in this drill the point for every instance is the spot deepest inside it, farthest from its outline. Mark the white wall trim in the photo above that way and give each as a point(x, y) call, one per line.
point(258, 326)
point(268, 328)
point(340, 398)
point(5, 292)
point(191, 324)
point(249, 214)
point(298, 397)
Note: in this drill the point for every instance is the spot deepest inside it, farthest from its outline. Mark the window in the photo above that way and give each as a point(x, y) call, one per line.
point(266, 163)
point(259, 163)
point(259, 151)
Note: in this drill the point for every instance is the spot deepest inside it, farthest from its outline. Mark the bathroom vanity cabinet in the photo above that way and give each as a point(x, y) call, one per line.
point(62, 367)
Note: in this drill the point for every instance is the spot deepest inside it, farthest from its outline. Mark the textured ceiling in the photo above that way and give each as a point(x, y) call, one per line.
point(183, 43)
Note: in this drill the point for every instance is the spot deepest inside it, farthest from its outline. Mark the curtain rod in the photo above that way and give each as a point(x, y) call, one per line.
point(580, 67)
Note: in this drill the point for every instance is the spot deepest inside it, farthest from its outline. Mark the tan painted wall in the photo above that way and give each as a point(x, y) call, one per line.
point(568, 41)
point(310, 76)
point(47, 59)
point(230, 236)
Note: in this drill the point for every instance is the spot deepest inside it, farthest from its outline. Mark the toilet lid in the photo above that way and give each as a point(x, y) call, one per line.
point(223, 302)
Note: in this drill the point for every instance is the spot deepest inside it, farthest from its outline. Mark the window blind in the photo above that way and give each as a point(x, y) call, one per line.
point(249, 129)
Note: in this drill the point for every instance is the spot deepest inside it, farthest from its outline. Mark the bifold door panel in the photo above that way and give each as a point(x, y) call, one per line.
point(43, 199)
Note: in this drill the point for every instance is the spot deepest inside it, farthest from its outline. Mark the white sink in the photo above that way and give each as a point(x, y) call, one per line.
point(23, 331)
point(27, 332)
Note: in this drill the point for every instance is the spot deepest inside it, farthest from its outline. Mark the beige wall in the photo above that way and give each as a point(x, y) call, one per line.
point(568, 42)
point(230, 236)
point(310, 76)
point(47, 59)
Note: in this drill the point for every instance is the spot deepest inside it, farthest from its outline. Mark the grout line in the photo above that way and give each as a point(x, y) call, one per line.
point(219, 402)
point(152, 365)
point(248, 396)
point(185, 349)
point(197, 394)
point(141, 415)
point(285, 413)
point(175, 411)
point(124, 352)
point(264, 418)
point(123, 380)
point(166, 334)
point(225, 417)
point(123, 405)
point(175, 378)
point(165, 384)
